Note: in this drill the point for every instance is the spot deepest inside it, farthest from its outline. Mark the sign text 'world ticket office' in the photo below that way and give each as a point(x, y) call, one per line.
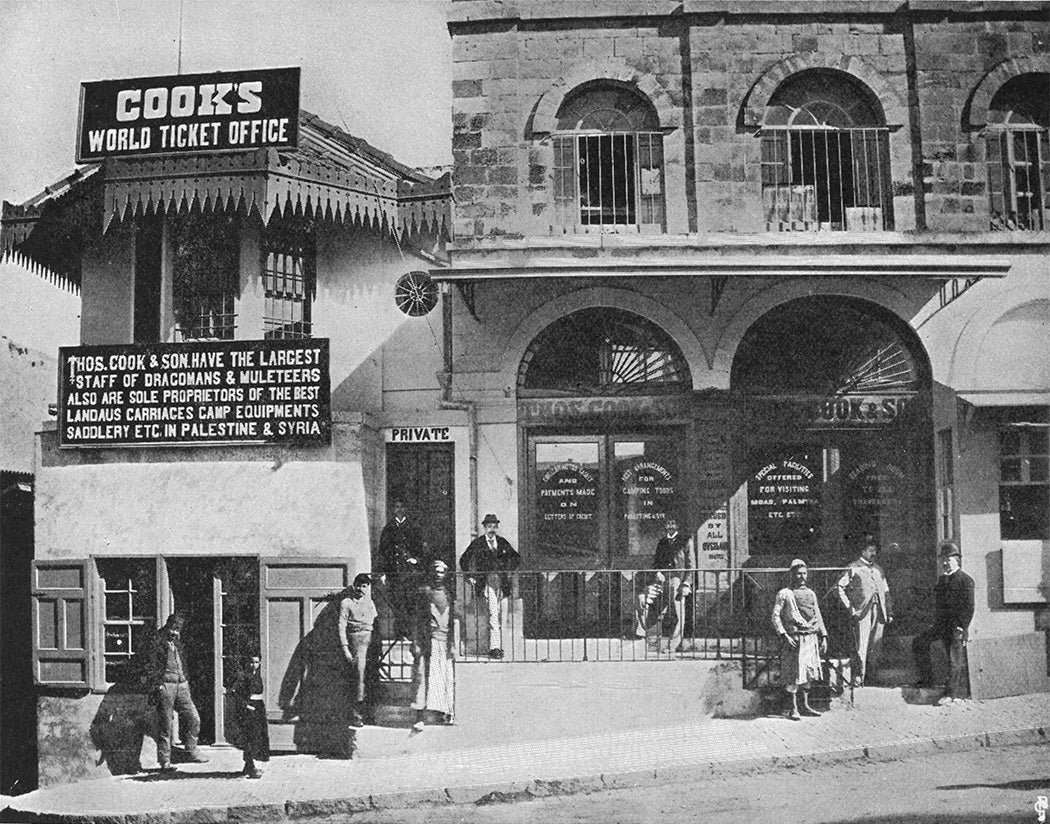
point(189, 113)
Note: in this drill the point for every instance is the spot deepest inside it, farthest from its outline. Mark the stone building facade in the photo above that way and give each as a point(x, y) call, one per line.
point(814, 238)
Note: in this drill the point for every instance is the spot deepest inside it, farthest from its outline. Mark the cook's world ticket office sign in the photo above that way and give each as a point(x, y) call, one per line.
point(228, 392)
point(188, 113)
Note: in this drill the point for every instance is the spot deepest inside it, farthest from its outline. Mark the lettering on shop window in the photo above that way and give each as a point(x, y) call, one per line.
point(202, 393)
point(647, 488)
point(782, 490)
point(567, 492)
point(875, 486)
point(189, 113)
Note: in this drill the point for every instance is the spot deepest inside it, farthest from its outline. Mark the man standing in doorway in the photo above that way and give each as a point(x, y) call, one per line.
point(953, 611)
point(171, 693)
point(401, 556)
point(798, 622)
point(864, 592)
point(357, 615)
point(490, 556)
point(674, 559)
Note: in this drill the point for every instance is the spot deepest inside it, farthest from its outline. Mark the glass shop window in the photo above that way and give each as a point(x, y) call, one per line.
point(1024, 480)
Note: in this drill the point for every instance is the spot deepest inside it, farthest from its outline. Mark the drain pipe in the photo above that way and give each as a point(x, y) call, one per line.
point(469, 407)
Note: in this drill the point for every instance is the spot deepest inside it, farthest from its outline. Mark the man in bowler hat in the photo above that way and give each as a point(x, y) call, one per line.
point(953, 611)
point(490, 557)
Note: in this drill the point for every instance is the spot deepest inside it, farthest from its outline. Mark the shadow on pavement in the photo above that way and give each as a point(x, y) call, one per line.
point(1027, 784)
point(178, 775)
point(936, 818)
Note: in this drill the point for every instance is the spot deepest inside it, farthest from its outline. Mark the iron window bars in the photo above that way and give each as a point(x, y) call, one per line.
point(608, 181)
point(826, 179)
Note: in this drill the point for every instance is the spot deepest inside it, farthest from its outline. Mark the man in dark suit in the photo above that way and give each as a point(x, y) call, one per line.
point(490, 557)
point(170, 693)
point(674, 560)
point(953, 600)
point(401, 556)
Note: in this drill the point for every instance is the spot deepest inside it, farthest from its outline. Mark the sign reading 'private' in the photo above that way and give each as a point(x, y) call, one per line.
point(188, 113)
point(230, 392)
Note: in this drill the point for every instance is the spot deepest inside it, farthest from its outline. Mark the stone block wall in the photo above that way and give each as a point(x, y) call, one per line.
point(953, 54)
point(715, 69)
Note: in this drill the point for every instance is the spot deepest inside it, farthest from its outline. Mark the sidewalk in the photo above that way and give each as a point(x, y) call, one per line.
point(397, 768)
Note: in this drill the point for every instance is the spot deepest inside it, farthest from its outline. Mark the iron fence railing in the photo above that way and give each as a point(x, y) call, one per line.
point(620, 615)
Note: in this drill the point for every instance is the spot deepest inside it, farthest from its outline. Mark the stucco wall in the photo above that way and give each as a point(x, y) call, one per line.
point(234, 500)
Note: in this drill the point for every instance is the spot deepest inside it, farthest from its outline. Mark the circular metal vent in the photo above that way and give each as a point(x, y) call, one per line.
point(416, 294)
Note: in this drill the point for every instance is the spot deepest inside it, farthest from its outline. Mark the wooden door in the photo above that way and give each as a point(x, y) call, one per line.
point(423, 477)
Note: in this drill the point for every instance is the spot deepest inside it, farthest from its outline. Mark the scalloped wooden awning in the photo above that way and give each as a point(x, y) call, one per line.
point(330, 177)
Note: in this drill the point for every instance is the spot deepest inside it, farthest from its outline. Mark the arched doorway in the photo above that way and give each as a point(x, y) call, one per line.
point(836, 435)
point(603, 411)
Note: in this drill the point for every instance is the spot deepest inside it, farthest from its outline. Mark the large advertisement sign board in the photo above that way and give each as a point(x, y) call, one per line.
point(188, 113)
point(195, 394)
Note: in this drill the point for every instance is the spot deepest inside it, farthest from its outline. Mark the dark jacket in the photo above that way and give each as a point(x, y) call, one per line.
point(157, 664)
point(479, 559)
point(399, 546)
point(953, 599)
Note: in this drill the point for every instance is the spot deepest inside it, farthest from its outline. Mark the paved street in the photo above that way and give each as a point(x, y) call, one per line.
point(987, 786)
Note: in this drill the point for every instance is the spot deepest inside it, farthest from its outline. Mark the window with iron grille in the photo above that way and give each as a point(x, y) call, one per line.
point(1024, 474)
point(129, 607)
point(289, 277)
point(608, 163)
point(1018, 148)
point(825, 157)
point(206, 275)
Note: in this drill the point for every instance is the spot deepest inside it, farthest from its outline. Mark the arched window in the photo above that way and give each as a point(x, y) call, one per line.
point(1018, 144)
point(838, 347)
point(825, 156)
point(602, 352)
point(608, 161)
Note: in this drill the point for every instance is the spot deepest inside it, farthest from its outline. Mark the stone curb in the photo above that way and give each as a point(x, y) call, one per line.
point(512, 791)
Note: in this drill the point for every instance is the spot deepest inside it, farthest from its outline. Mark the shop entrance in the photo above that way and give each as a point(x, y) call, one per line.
point(835, 436)
point(220, 599)
point(599, 501)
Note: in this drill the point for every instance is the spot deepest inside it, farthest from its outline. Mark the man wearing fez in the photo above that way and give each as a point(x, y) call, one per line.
point(864, 592)
point(953, 611)
point(401, 556)
point(674, 558)
point(797, 620)
point(357, 615)
point(433, 649)
point(490, 557)
point(170, 693)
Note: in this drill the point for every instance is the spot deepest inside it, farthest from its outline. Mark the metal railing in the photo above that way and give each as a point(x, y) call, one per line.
point(622, 615)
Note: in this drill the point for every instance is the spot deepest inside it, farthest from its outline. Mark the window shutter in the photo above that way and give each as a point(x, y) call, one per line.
point(61, 617)
point(993, 146)
point(776, 190)
point(564, 183)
